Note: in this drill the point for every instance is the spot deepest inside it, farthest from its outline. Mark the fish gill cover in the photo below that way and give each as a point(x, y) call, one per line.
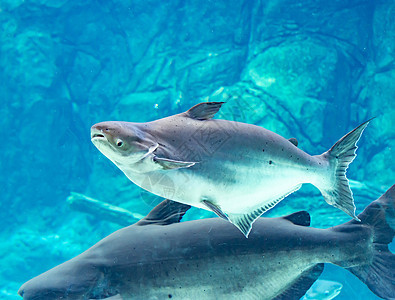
point(306, 69)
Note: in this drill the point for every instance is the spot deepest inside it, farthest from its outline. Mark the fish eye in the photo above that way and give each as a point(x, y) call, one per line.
point(119, 142)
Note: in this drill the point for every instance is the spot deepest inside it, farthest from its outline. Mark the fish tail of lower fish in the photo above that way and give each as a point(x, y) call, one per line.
point(377, 267)
point(335, 186)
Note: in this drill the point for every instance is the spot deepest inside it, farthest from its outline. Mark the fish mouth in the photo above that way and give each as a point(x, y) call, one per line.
point(97, 135)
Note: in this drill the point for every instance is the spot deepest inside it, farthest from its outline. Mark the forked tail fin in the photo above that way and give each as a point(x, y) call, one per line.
point(378, 273)
point(336, 190)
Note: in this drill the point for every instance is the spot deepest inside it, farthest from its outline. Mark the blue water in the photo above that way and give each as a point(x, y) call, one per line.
point(306, 69)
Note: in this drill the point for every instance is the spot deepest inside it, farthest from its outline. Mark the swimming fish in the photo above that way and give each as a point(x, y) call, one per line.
point(160, 258)
point(237, 170)
point(323, 290)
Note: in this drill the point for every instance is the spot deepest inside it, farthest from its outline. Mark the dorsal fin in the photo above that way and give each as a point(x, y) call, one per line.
point(204, 110)
point(301, 218)
point(165, 213)
point(293, 141)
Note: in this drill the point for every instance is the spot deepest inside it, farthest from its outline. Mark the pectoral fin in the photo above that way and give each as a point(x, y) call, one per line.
point(116, 297)
point(169, 164)
point(151, 150)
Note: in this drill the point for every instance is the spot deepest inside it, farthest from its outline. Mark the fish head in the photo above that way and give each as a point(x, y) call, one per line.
point(75, 279)
point(121, 142)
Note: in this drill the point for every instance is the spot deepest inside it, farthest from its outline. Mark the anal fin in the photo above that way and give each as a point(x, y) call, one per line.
point(244, 221)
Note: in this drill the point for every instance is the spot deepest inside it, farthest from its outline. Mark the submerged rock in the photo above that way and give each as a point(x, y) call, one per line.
point(102, 210)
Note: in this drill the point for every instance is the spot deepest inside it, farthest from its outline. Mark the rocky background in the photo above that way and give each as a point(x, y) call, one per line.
point(307, 69)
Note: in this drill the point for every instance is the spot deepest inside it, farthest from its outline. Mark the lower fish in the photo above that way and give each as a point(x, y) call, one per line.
point(160, 257)
point(323, 290)
point(237, 170)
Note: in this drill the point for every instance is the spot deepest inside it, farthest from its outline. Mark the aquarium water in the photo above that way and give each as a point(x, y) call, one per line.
point(310, 70)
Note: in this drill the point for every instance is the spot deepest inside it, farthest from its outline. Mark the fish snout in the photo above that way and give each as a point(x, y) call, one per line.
point(28, 292)
point(21, 291)
point(100, 131)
